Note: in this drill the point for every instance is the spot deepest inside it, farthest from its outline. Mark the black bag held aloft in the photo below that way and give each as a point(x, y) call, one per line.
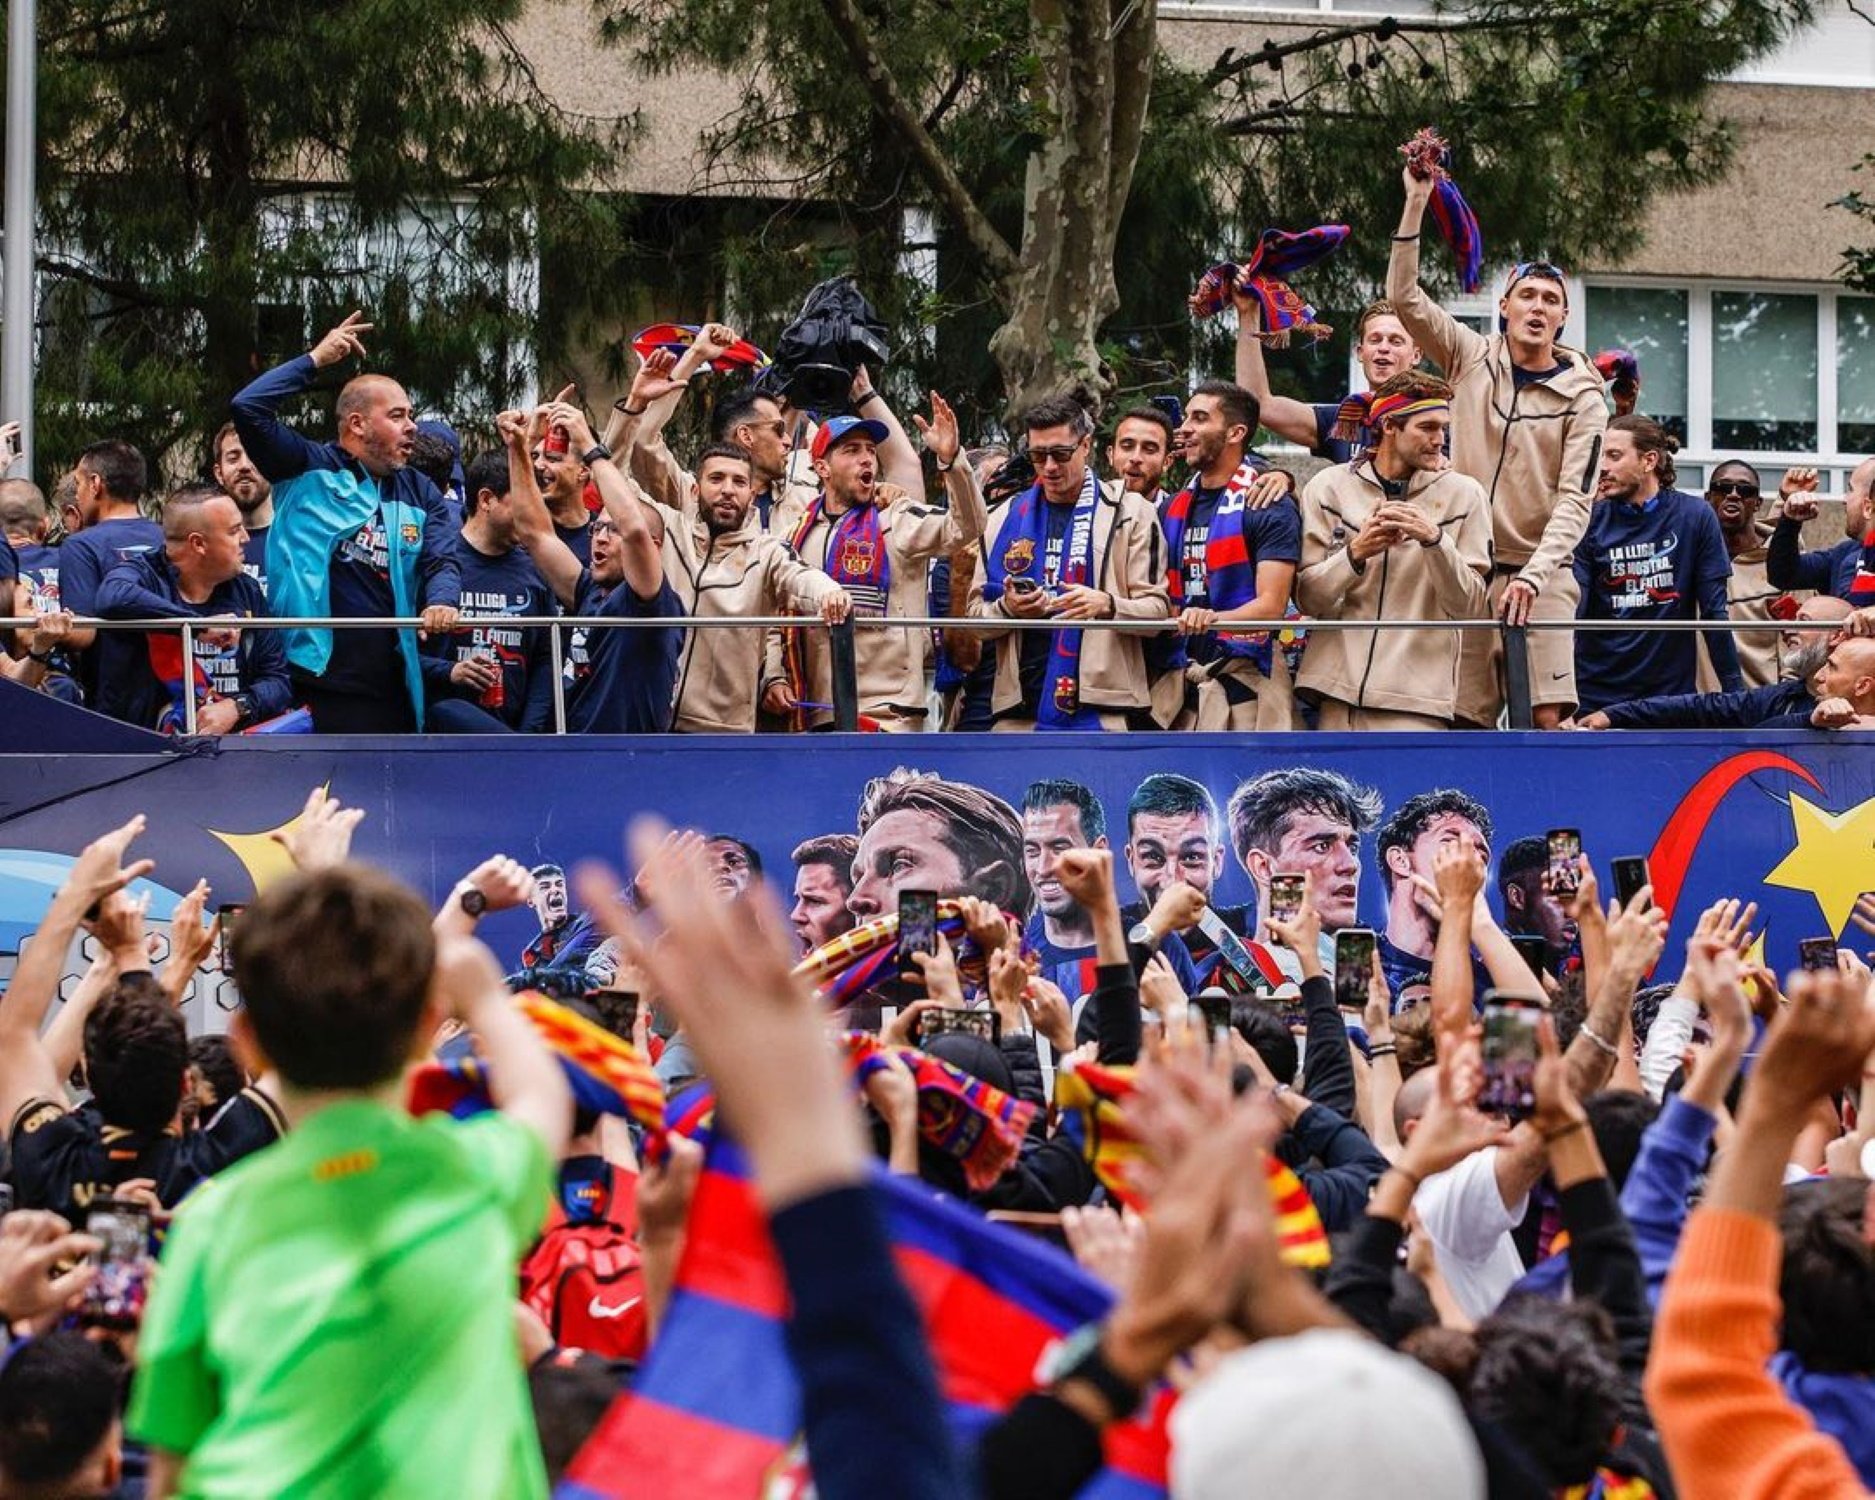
point(822, 349)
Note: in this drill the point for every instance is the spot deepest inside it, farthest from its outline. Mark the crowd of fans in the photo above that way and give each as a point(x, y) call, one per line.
point(1634, 1259)
point(1497, 489)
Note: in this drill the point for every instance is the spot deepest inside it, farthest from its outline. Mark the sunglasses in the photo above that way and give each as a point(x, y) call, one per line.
point(1054, 455)
point(1742, 487)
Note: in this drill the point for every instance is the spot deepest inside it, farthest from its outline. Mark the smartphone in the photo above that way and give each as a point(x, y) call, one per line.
point(1213, 1006)
point(228, 916)
point(942, 1018)
point(917, 932)
point(1510, 1053)
point(1818, 955)
point(1231, 949)
point(1022, 586)
point(1630, 872)
point(1534, 951)
point(1565, 847)
point(1354, 966)
point(117, 1293)
point(1287, 892)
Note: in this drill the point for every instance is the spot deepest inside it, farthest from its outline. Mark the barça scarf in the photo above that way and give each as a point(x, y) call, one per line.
point(1092, 1101)
point(715, 1413)
point(1862, 584)
point(677, 337)
point(1021, 552)
point(1359, 417)
point(856, 560)
point(1428, 156)
point(845, 967)
point(1263, 278)
point(973, 1122)
point(166, 663)
point(1230, 570)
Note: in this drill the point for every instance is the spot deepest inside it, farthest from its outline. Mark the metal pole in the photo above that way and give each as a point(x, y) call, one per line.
point(21, 251)
point(188, 678)
point(559, 680)
point(845, 655)
point(1517, 677)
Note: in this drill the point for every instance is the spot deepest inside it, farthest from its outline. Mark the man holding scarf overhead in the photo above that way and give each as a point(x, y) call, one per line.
point(1062, 550)
point(1233, 536)
point(877, 542)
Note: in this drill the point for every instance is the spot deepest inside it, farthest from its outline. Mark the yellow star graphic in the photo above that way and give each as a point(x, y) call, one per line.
point(264, 859)
point(1834, 859)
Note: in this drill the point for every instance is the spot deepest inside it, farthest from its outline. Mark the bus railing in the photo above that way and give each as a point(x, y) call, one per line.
point(843, 639)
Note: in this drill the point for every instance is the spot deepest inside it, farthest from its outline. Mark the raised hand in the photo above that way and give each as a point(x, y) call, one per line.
point(1816, 1047)
point(100, 868)
point(941, 433)
point(343, 342)
point(503, 882)
point(1087, 876)
point(190, 942)
point(322, 834)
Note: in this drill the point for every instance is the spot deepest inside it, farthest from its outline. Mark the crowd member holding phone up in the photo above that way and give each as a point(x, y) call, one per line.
point(1064, 551)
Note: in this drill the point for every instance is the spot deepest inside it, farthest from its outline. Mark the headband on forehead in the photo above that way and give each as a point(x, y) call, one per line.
point(1361, 415)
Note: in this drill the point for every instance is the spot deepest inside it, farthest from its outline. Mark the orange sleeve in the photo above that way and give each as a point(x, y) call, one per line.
point(1728, 1428)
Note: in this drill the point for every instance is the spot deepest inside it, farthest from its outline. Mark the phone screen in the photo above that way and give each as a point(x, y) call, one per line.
point(1510, 1052)
point(1213, 1008)
point(1630, 872)
point(1286, 894)
point(942, 1018)
point(917, 928)
point(1354, 966)
point(1565, 848)
point(1534, 951)
point(1818, 954)
point(116, 1295)
point(1230, 947)
point(229, 916)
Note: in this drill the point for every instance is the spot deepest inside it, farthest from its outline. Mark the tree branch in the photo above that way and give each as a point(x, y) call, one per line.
point(960, 75)
point(124, 291)
point(933, 165)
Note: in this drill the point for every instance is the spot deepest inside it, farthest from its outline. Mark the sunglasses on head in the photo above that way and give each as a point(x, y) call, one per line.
point(1743, 487)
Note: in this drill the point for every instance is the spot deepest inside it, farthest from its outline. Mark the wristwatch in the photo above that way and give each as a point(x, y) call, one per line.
point(472, 902)
point(1144, 935)
point(1078, 1357)
point(243, 708)
point(593, 454)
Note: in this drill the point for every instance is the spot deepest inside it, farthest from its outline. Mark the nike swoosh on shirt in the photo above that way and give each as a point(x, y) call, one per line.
point(598, 1309)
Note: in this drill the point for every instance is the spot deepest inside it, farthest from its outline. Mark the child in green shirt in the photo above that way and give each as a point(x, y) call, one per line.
point(334, 1315)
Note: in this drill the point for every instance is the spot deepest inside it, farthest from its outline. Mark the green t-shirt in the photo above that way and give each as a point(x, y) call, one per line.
point(334, 1315)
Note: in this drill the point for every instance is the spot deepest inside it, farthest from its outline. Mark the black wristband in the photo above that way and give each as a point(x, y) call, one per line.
point(1404, 239)
point(624, 407)
point(35, 656)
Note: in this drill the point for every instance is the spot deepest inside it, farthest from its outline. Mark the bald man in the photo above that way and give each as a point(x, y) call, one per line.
point(356, 534)
point(1845, 689)
point(1800, 654)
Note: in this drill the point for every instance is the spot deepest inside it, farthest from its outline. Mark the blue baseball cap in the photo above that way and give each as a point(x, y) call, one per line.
point(836, 430)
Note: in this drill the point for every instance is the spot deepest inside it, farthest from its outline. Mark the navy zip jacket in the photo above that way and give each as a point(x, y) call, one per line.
point(1829, 571)
point(1745, 708)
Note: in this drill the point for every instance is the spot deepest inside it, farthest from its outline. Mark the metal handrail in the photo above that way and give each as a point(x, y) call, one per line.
point(845, 673)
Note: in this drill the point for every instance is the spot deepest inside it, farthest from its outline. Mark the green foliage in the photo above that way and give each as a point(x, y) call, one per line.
point(1566, 116)
point(1858, 261)
point(220, 179)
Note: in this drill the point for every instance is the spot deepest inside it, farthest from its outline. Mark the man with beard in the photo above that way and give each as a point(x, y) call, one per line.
point(1801, 653)
point(1172, 835)
point(1064, 551)
point(621, 681)
point(1650, 553)
point(355, 534)
point(1406, 846)
point(1140, 453)
point(1383, 348)
point(1059, 816)
point(1234, 537)
point(877, 542)
point(1734, 496)
point(1845, 569)
point(1308, 822)
point(823, 880)
point(234, 471)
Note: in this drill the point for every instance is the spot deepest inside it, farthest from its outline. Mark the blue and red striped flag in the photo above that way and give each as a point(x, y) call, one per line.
point(716, 1411)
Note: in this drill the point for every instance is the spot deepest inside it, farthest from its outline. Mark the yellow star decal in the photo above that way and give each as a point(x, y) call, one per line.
point(1834, 859)
point(264, 859)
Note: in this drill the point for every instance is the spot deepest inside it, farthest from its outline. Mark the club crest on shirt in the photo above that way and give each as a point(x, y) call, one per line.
point(856, 555)
point(1067, 695)
point(1019, 555)
point(412, 533)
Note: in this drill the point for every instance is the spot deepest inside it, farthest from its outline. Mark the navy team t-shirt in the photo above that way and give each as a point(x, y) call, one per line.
point(623, 680)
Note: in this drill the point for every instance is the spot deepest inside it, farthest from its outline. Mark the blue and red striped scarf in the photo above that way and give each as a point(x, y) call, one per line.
point(1427, 155)
point(166, 662)
point(856, 557)
point(1230, 568)
point(1021, 552)
point(1263, 278)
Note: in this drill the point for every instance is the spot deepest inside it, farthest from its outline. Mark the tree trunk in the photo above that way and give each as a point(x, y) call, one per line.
point(1093, 82)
